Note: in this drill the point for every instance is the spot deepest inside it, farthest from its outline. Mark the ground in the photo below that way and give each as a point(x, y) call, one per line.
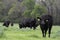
point(14, 33)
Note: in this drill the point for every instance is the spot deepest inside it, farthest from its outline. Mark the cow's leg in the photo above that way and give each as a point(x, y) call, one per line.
point(46, 31)
point(20, 27)
point(43, 33)
point(34, 28)
point(42, 29)
point(30, 27)
point(7, 25)
point(25, 27)
point(49, 31)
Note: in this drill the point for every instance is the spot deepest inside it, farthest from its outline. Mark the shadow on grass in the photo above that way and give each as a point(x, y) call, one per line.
point(34, 36)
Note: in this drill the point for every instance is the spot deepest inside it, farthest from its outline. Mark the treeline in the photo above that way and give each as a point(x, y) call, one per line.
point(53, 8)
point(16, 10)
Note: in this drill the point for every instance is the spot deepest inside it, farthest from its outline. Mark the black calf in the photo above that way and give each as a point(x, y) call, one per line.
point(6, 23)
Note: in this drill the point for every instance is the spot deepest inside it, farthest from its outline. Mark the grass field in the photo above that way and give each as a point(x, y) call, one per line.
point(14, 33)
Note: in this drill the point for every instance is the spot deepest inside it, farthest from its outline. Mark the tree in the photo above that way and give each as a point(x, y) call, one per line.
point(38, 10)
point(2, 7)
point(29, 5)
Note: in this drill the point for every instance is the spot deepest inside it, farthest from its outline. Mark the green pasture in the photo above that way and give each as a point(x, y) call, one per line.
point(14, 33)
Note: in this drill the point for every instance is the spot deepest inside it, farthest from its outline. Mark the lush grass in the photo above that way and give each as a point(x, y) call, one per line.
point(14, 33)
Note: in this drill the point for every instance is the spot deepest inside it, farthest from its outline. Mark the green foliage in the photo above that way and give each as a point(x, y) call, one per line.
point(29, 4)
point(4, 18)
point(13, 12)
point(2, 7)
point(17, 10)
point(27, 13)
point(33, 10)
point(38, 10)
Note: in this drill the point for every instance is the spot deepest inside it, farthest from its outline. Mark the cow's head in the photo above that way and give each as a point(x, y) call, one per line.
point(42, 20)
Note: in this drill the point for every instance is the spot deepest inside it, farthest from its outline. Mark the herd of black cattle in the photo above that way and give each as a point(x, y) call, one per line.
point(45, 22)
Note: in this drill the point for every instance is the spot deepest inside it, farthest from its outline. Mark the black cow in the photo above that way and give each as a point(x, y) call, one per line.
point(6, 23)
point(46, 22)
point(28, 22)
point(12, 23)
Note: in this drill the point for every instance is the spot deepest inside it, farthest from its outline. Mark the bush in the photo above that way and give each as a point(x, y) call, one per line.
point(38, 10)
point(27, 13)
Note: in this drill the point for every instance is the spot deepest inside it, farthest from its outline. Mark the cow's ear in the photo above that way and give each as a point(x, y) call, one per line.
point(38, 17)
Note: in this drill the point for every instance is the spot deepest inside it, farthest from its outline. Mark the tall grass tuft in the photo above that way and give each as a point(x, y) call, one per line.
point(1, 31)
